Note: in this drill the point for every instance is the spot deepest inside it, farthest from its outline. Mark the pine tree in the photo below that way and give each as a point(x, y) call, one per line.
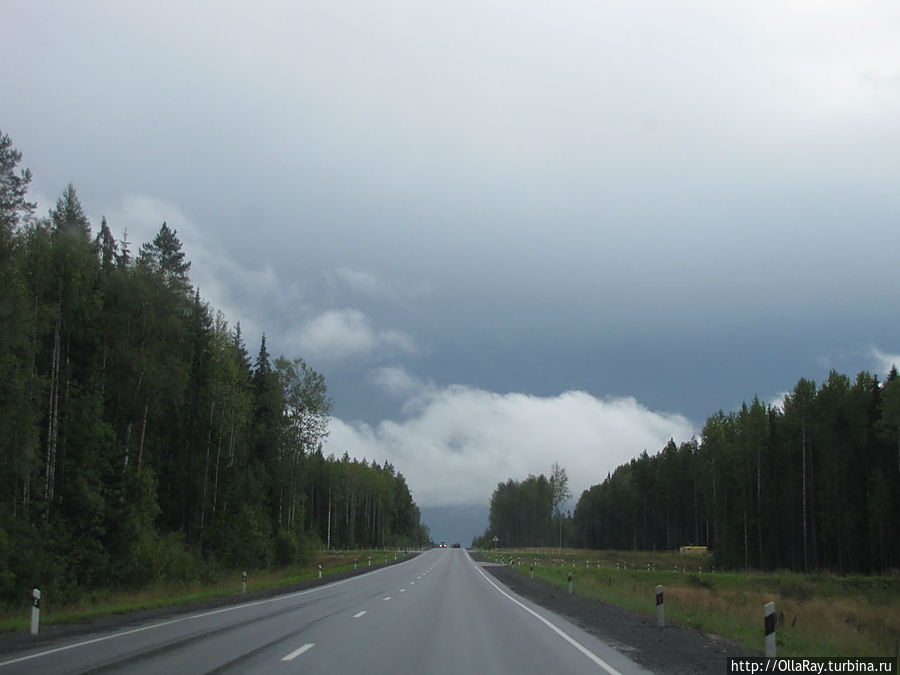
point(68, 216)
point(166, 257)
point(14, 208)
point(107, 246)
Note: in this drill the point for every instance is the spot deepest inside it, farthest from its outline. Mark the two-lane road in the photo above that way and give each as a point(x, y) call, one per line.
point(437, 613)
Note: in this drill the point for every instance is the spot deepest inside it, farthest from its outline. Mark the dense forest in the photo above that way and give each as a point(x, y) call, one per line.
point(138, 440)
point(529, 512)
point(812, 485)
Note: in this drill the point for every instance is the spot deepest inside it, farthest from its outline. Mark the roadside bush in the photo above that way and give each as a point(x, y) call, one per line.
point(175, 562)
point(702, 581)
point(247, 544)
point(790, 586)
point(287, 548)
point(310, 545)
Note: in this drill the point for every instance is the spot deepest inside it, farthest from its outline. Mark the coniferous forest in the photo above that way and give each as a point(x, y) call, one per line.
point(812, 485)
point(139, 440)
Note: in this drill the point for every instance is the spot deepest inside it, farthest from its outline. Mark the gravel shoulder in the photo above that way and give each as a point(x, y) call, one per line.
point(672, 649)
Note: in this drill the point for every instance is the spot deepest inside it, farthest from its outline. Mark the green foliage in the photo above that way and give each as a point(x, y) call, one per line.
point(138, 443)
point(13, 186)
point(522, 512)
point(287, 548)
point(802, 488)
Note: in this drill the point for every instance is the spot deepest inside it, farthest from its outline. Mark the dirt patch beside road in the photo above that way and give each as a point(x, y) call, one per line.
point(672, 649)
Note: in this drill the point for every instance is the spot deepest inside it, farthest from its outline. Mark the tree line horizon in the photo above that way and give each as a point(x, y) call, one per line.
point(810, 485)
point(138, 440)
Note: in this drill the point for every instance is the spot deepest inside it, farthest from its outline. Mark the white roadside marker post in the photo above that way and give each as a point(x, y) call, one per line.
point(570, 583)
point(770, 629)
point(660, 618)
point(531, 571)
point(320, 570)
point(243, 582)
point(35, 610)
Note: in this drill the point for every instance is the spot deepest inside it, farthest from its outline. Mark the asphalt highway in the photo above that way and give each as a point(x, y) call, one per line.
point(437, 613)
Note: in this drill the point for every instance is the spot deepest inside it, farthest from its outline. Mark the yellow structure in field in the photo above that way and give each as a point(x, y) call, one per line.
point(693, 550)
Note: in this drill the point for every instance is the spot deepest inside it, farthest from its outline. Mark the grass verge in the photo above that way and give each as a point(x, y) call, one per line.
point(817, 614)
point(105, 602)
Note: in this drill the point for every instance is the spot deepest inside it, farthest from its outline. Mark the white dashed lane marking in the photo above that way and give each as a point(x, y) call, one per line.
point(297, 652)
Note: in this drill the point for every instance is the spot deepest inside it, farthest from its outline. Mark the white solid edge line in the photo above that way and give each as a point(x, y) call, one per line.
point(232, 608)
point(565, 636)
point(297, 652)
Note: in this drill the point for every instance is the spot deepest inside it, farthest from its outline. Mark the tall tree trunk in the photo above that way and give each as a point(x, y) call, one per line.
point(696, 508)
point(759, 535)
point(805, 533)
point(715, 506)
point(134, 398)
point(212, 408)
point(328, 539)
point(218, 456)
point(813, 514)
point(61, 425)
point(52, 421)
point(140, 452)
point(746, 539)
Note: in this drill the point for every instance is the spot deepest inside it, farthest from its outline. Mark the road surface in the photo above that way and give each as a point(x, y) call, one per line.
point(436, 613)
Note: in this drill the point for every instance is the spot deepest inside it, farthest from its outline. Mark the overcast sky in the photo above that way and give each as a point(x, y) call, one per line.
point(508, 233)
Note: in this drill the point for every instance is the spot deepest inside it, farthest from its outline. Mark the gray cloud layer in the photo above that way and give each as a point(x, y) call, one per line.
point(676, 204)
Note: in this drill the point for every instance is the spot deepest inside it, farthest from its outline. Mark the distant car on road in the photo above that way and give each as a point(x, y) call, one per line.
point(443, 545)
point(455, 545)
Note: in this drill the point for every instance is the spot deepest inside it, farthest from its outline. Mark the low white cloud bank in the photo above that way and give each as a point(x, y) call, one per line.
point(343, 333)
point(397, 382)
point(461, 442)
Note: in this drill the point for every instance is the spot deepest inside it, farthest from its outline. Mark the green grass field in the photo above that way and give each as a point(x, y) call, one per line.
point(104, 602)
point(818, 614)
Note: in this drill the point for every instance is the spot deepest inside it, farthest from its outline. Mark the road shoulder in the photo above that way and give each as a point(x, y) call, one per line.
point(672, 649)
